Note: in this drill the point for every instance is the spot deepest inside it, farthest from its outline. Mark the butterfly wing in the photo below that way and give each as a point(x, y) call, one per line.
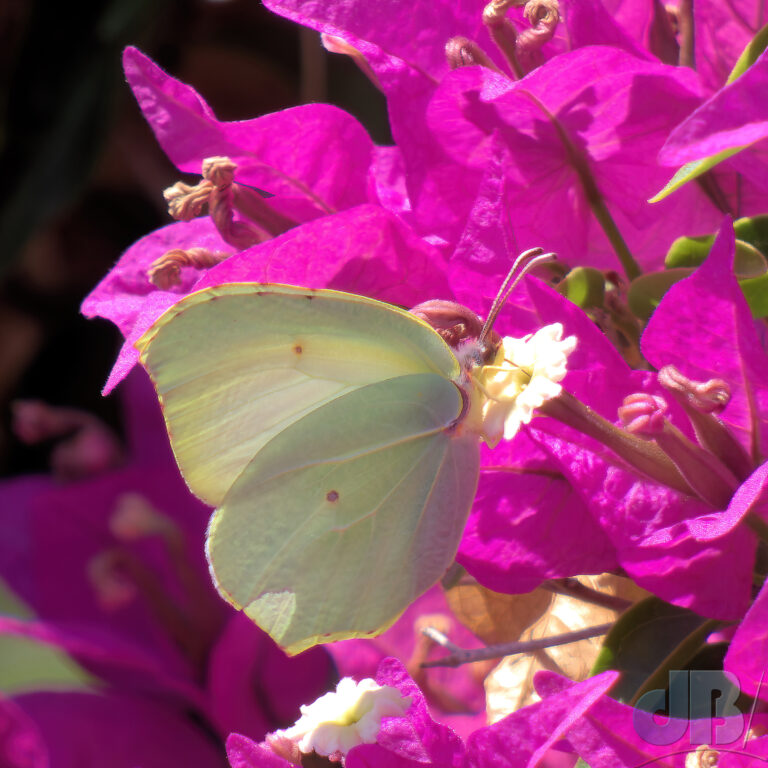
point(348, 515)
point(235, 365)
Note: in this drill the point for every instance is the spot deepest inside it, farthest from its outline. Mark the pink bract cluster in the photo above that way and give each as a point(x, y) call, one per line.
point(557, 140)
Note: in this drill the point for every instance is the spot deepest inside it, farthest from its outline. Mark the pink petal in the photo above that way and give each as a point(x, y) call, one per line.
point(708, 310)
point(118, 730)
point(736, 116)
point(303, 152)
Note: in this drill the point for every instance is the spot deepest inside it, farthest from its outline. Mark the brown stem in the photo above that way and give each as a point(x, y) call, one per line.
point(574, 588)
point(313, 67)
point(687, 34)
point(468, 656)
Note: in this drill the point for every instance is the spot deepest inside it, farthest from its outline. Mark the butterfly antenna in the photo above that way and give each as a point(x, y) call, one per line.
point(524, 263)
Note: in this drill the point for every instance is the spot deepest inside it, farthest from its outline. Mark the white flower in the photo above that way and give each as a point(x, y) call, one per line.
point(340, 720)
point(525, 373)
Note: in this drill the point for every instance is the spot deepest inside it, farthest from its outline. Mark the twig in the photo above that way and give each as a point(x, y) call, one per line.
point(438, 637)
point(467, 656)
point(314, 71)
point(687, 34)
point(574, 588)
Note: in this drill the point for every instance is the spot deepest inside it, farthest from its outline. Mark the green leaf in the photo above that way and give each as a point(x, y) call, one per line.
point(688, 251)
point(646, 291)
point(696, 168)
point(640, 641)
point(692, 170)
point(756, 293)
point(749, 55)
point(584, 286)
point(29, 665)
point(753, 230)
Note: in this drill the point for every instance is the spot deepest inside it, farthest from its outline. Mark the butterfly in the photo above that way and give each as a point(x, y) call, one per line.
point(338, 438)
point(328, 430)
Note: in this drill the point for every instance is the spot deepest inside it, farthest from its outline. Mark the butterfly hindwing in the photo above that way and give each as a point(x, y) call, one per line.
point(349, 514)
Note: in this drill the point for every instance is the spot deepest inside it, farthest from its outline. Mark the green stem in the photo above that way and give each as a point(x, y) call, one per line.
point(643, 455)
point(595, 199)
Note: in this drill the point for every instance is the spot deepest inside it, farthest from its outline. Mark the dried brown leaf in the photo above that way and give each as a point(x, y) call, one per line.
point(510, 685)
point(494, 617)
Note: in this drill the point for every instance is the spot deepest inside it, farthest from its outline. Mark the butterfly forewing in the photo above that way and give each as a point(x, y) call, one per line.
point(235, 365)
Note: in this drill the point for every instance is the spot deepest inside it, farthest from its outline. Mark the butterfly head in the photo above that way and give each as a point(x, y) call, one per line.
point(504, 379)
point(461, 329)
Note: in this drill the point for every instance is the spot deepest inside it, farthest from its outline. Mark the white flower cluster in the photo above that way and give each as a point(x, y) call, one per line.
point(346, 717)
point(525, 373)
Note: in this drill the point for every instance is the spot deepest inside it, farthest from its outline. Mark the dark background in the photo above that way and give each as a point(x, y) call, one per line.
point(82, 176)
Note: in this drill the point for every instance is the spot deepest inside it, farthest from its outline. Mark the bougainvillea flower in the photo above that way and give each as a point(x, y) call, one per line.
point(509, 543)
point(314, 160)
point(405, 55)
point(408, 740)
point(722, 31)
point(728, 343)
point(747, 655)
point(736, 116)
point(689, 548)
point(304, 153)
point(70, 729)
point(408, 61)
point(561, 152)
point(455, 697)
point(685, 546)
point(112, 567)
point(416, 35)
point(522, 738)
point(365, 250)
point(614, 735)
point(523, 494)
